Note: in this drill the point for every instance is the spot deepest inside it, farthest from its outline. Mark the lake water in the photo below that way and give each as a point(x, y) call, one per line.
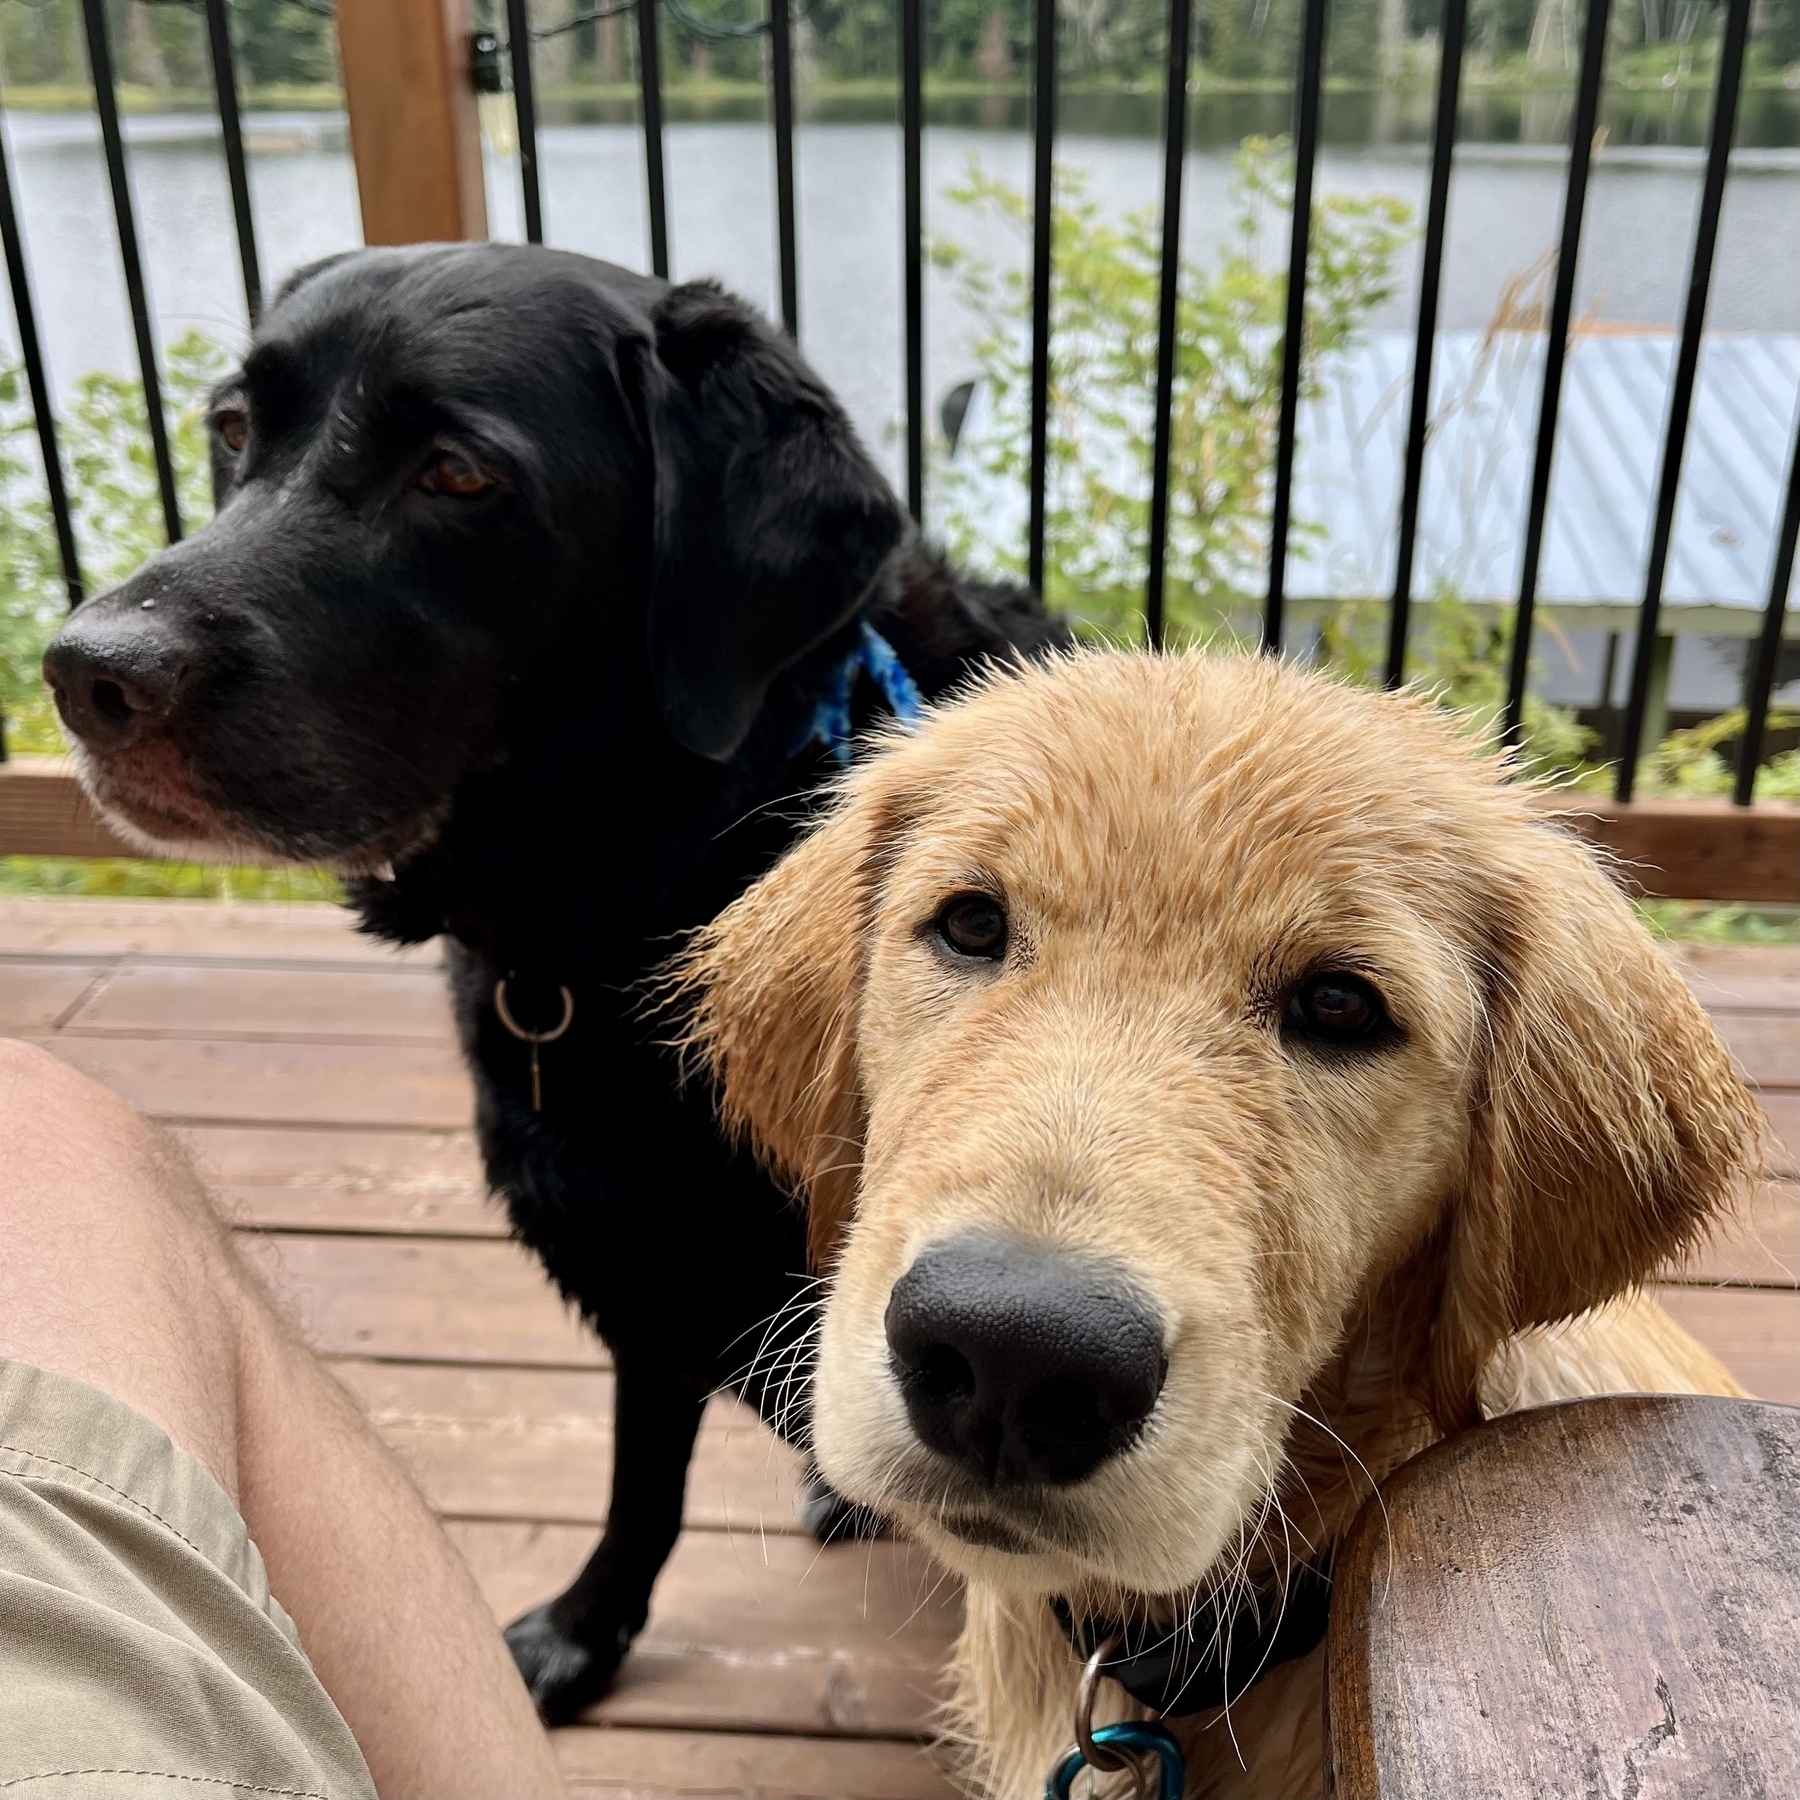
point(1506, 202)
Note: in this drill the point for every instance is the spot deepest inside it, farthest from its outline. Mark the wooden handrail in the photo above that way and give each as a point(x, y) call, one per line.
point(414, 131)
point(1606, 1584)
point(1666, 849)
point(43, 812)
point(1693, 849)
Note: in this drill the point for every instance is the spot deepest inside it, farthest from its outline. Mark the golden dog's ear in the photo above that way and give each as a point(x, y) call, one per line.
point(1609, 1124)
point(775, 981)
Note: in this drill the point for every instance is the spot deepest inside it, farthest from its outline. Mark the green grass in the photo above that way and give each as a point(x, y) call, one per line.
point(78, 96)
point(1705, 922)
point(1675, 921)
point(125, 879)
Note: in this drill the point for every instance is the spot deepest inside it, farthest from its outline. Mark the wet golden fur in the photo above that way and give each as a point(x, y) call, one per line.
point(1354, 1254)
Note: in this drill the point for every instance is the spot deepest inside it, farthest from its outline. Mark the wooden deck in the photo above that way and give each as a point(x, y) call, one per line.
point(315, 1078)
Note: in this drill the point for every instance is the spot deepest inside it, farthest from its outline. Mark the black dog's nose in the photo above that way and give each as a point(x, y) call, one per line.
point(113, 681)
point(1022, 1363)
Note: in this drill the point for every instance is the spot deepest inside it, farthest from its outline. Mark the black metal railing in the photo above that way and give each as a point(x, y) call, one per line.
point(1687, 366)
point(1431, 270)
point(1307, 106)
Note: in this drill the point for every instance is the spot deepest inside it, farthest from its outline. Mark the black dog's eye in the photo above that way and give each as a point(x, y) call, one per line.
point(1337, 1009)
point(232, 423)
point(973, 925)
point(453, 471)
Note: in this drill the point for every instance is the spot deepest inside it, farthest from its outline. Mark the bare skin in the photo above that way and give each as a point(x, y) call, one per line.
point(116, 1270)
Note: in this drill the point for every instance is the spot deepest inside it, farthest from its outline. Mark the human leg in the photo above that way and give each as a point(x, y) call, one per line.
point(115, 1270)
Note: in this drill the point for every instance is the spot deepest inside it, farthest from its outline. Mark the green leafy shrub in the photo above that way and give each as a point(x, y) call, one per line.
point(1104, 306)
point(1460, 654)
point(1706, 922)
point(1701, 762)
point(1230, 318)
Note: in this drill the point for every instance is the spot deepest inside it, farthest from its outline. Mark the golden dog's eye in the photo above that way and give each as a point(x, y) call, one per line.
point(973, 925)
point(453, 471)
point(232, 423)
point(1337, 1009)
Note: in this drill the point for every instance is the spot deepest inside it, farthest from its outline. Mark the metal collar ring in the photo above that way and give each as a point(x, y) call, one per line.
point(1097, 1756)
point(518, 1030)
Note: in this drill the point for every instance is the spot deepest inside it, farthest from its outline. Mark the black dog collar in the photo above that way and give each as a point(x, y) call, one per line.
point(1215, 1656)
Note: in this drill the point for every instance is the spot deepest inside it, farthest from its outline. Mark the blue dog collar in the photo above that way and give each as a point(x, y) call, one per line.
point(875, 657)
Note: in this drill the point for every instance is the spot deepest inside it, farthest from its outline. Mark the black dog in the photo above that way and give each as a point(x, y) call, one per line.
point(531, 590)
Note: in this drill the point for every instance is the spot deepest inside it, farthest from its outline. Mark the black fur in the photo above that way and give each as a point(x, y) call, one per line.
point(567, 710)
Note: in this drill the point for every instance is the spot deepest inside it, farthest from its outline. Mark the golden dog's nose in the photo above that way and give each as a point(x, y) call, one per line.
point(1021, 1362)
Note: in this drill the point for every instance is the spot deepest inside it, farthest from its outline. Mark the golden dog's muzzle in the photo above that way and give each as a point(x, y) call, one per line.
point(1024, 1365)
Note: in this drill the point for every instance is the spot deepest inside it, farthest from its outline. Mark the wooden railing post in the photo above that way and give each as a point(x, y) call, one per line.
point(414, 132)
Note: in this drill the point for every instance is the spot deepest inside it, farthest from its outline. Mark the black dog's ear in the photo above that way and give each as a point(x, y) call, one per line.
point(771, 522)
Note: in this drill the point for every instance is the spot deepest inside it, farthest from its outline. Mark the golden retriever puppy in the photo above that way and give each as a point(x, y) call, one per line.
point(1210, 1084)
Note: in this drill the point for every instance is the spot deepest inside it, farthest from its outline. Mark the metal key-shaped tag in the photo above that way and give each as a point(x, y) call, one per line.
point(533, 1038)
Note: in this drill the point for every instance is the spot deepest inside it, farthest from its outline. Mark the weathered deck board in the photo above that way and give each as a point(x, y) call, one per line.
point(1783, 1110)
point(313, 1075)
point(1754, 1332)
point(626, 1763)
point(37, 996)
point(1761, 1250)
point(388, 1006)
point(1766, 1045)
point(748, 1632)
point(263, 931)
point(488, 1443)
point(1735, 975)
point(229, 1081)
point(439, 1300)
point(298, 1178)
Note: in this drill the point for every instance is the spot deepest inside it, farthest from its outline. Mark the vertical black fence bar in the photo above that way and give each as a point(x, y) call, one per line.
point(1306, 156)
point(781, 81)
point(1556, 349)
point(25, 317)
point(1175, 107)
point(1768, 648)
point(518, 45)
point(1043, 200)
point(93, 14)
point(1681, 398)
point(231, 128)
point(1431, 269)
point(912, 158)
point(650, 87)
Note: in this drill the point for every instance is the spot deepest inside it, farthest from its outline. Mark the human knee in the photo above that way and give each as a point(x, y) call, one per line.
point(113, 1268)
point(41, 1096)
point(30, 1074)
point(72, 1153)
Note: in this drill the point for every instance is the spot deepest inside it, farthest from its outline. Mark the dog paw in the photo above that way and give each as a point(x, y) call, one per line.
point(565, 1676)
point(834, 1520)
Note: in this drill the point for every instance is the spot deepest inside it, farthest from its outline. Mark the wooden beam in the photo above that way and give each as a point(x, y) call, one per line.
point(43, 812)
point(1693, 849)
point(1667, 849)
point(414, 131)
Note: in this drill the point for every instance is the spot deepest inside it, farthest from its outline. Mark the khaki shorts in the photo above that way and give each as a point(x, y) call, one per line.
point(141, 1652)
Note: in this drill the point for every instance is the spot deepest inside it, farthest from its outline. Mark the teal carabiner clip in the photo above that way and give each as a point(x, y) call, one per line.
point(1138, 1742)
